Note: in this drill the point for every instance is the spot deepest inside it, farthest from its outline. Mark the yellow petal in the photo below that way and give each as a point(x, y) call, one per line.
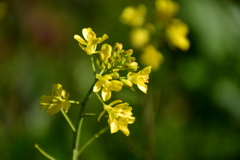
point(65, 95)
point(106, 94)
point(114, 127)
point(57, 89)
point(65, 105)
point(46, 100)
point(104, 37)
point(145, 71)
point(79, 39)
point(106, 77)
point(87, 32)
point(124, 129)
point(53, 109)
point(143, 88)
point(116, 85)
point(97, 86)
point(131, 120)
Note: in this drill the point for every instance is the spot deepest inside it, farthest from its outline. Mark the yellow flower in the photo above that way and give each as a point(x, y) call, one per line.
point(90, 40)
point(107, 86)
point(57, 99)
point(139, 37)
point(140, 78)
point(166, 9)
point(3, 10)
point(176, 33)
point(132, 16)
point(151, 57)
point(119, 116)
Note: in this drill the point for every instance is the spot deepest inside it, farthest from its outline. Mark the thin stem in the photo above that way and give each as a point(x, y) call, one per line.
point(68, 120)
point(72, 101)
point(92, 139)
point(100, 99)
point(76, 140)
point(102, 71)
point(44, 152)
point(90, 114)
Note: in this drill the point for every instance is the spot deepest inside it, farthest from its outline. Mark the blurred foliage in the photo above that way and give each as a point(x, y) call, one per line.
point(192, 110)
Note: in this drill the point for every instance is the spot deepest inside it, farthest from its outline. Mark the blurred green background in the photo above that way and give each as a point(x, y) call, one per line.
point(191, 111)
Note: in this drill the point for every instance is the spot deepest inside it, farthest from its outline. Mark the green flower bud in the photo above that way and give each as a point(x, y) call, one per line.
point(133, 67)
point(115, 75)
point(118, 46)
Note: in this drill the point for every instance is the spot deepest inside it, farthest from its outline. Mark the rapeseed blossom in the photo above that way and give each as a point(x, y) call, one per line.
point(140, 78)
point(89, 45)
point(57, 99)
point(119, 116)
point(151, 57)
point(107, 86)
point(176, 33)
point(134, 16)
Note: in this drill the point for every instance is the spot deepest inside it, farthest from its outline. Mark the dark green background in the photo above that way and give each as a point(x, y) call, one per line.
point(191, 111)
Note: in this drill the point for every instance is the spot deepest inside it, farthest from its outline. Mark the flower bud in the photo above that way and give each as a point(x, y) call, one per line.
point(128, 52)
point(127, 83)
point(133, 66)
point(118, 46)
point(106, 51)
point(115, 75)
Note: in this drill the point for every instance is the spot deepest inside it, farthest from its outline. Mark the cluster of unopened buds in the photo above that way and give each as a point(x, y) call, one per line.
point(110, 61)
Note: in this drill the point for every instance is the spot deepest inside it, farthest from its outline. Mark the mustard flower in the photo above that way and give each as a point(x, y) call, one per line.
point(176, 33)
point(140, 78)
point(139, 37)
point(57, 99)
point(151, 57)
point(134, 16)
point(107, 86)
point(166, 9)
point(89, 45)
point(119, 116)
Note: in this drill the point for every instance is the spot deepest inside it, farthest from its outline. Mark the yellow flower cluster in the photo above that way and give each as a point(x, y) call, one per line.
point(112, 60)
point(142, 34)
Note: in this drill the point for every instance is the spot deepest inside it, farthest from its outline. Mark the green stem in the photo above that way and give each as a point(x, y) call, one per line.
point(68, 120)
point(44, 152)
point(100, 99)
point(90, 114)
point(72, 101)
point(77, 134)
point(92, 139)
point(102, 71)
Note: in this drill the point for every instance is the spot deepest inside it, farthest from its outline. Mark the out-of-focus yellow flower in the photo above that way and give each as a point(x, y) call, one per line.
point(134, 16)
point(3, 9)
point(57, 99)
point(89, 45)
point(107, 86)
point(139, 37)
point(166, 9)
point(140, 78)
point(176, 33)
point(151, 57)
point(119, 116)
